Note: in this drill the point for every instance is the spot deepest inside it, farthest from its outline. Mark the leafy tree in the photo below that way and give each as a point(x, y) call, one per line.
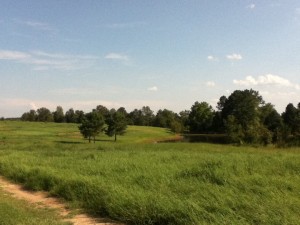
point(141, 117)
point(271, 119)
point(241, 111)
point(44, 115)
point(58, 115)
point(201, 118)
point(79, 115)
point(29, 116)
point(116, 124)
point(221, 103)
point(244, 105)
point(218, 123)
point(147, 116)
point(184, 119)
point(92, 125)
point(234, 130)
point(176, 126)
point(103, 111)
point(168, 119)
point(70, 116)
point(135, 117)
point(291, 118)
point(164, 118)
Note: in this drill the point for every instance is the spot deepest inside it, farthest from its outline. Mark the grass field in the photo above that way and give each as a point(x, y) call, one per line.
point(139, 181)
point(17, 212)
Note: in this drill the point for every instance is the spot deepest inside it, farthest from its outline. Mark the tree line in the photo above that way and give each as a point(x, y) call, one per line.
point(243, 116)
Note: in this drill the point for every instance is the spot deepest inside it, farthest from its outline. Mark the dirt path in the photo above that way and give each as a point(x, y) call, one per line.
point(42, 199)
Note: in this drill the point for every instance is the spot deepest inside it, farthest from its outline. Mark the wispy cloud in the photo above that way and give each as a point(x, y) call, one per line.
point(13, 55)
point(234, 57)
point(268, 80)
point(212, 58)
point(36, 25)
point(48, 61)
point(210, 84)
point(251, 6)
point(154, 88)
point(117, 56)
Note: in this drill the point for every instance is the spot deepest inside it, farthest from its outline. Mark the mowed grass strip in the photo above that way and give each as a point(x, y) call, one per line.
point(138, 181)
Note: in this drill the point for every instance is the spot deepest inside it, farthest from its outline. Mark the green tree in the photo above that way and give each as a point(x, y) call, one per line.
point(291, 118)
point(201, 118)
point(79, 115)
point(103, 111)
point(164, 118)
point(241, 111)
point(44, 115)
point(92, 125)
point(271, 119)
point(29, 116)
point(116, 124)
point(184, 120)
point(58, 115)
point(147, 116)
point(141, 117)
point(70, 116)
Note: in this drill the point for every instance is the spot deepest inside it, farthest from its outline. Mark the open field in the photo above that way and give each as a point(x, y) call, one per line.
point(17, 212)
point(139, 181)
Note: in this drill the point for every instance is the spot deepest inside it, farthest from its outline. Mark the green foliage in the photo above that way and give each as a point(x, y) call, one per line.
point(244, 106)
point(44, 115)
point(141, 117)
point(248, 119)
point(291, 118)
point(29, 116)
point(58, 115)
point(234, 130)
point(139, 182)
point(201, 118)
point(208, 138)
point(116, 124)
point(92, 125)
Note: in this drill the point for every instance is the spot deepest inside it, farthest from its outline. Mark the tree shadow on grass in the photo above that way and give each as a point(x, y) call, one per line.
point(85, 141)
point(69, 142)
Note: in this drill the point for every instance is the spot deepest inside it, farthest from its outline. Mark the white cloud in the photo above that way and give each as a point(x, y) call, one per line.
point(33, 106)
point(154, 88)
point(210, 84)
point(37, 25)
point(251, 6)
point(234, 57)
point(268, 79)
point(117, 56)
point(46, 61)
point(13, 55)
point(212, 58)
point(274, 89)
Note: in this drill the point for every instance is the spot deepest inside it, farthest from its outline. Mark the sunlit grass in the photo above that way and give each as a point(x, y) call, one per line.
point(14, 212)
point(139, 181)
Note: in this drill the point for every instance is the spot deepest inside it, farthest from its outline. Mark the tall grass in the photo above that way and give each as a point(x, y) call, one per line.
point(139, 182)
point(17, 212)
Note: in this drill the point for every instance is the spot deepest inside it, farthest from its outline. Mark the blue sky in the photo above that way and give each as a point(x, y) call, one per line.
point(164, 54)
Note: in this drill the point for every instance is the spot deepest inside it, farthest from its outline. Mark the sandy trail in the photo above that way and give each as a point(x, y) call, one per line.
point(42, 199)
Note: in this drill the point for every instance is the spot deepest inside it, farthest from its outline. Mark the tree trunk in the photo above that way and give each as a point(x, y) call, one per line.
point(115, 137)
point(89, 139)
